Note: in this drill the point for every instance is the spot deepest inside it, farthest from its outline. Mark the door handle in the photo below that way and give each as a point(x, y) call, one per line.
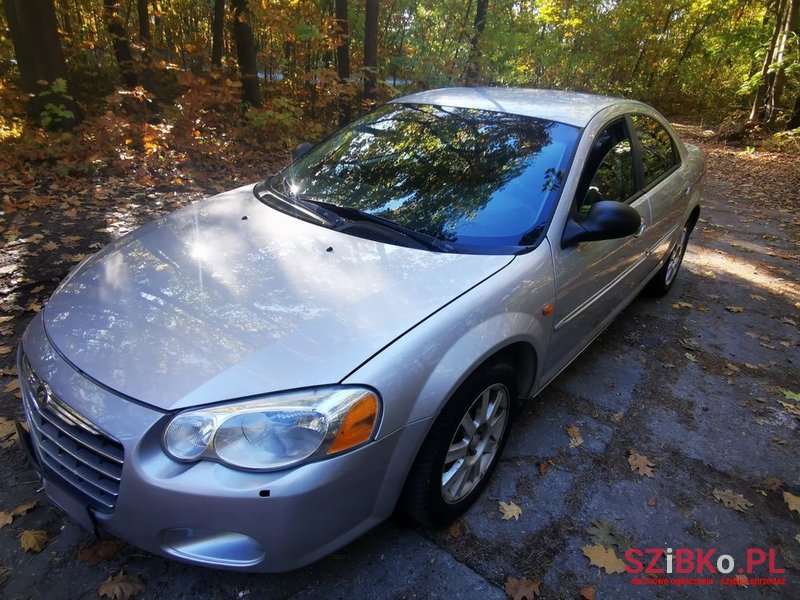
point(640, 232)
point(687, 190)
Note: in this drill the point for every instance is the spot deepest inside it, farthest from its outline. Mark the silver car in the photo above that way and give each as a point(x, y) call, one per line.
point(257, 379)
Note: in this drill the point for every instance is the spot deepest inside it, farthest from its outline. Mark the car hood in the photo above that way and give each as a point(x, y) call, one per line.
point(229, 298)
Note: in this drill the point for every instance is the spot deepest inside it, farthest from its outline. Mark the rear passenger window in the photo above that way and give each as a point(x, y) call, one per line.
point(658, 150)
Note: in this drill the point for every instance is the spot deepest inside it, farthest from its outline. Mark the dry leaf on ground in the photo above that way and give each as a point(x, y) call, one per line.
point(522, 589)
point(510, 510)
point(33, 540)
point(734, 309)
point(605, 558)
point(100, 551)
point(683, 305)
point(5, 518)
point(121, 587)
point(588, 593)
point(24, 509)
point(574, 434)
point(792, 501)
point(732, 500)
point(6, 350)
point(605, 534)
point(544, 467)
point(640, 464)
point(773, 484)
point(454, 530)
point(11, 386)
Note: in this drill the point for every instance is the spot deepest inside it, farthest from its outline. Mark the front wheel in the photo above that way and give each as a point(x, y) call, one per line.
point(463, 447)
point(662, 281)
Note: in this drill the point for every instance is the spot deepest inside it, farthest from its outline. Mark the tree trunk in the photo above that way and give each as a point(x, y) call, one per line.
point(371, 49)
point(65, 17)
point(144, 21)
point(246, 52)
point(343, 49)
point(790, 30)
point(34, 32)
point(794, 120)
point(122, 50)
point(473, 72)
point(218, 33)
point(757, 111)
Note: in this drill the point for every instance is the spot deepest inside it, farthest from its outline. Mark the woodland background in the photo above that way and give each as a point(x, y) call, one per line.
point(112, 86)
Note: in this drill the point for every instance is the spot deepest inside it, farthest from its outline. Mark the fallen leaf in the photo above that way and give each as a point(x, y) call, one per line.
point(605, 558)
point(757, 297)
point(640, 464)
point(104, 550)
point(5, 350)
point(522, 589)
point(544, 467)
point(121, 587)
point(33, 540)
point(791, 395)
point(731, 500)
point(510, 510)
point(50, 246)
point(24, 509)
point(797, 537)
point(734, 309)
point(690, 344)
point(683, 305)
point(12, 386)
point(690, 356)
point(605, 534)
point(5, 518)
point(6, 319)
point(574, 434)
point(588, 593)
point(773, 484)
point(792, 501)
point(652, 502)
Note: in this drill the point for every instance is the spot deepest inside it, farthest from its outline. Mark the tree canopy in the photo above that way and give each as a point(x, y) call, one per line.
point(272, 72)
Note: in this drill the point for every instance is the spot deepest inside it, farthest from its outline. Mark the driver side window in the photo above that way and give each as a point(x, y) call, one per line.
point(609, 171)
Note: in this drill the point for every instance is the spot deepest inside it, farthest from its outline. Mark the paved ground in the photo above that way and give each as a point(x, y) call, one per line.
point(693, 386)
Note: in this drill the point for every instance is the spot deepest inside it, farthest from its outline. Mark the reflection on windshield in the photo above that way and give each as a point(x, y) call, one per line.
point(461, 175)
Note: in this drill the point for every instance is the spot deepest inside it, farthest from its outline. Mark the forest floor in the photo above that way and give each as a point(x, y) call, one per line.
point(703, 384)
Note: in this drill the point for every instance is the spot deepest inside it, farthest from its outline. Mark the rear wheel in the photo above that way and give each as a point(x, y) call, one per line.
point(462, 448)
point(662, 281)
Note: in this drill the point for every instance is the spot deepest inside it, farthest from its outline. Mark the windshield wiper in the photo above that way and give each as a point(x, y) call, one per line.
point(354, 214)
point(306, 207)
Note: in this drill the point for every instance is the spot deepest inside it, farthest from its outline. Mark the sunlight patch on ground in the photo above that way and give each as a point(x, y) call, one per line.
point(711, 262)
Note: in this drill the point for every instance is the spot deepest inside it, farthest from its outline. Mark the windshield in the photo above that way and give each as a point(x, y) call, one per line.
point(480, 181)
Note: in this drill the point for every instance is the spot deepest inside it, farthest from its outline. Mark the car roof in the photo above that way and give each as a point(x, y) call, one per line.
point(571, 108)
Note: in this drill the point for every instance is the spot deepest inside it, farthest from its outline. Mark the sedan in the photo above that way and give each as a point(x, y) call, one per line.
point(257, 379)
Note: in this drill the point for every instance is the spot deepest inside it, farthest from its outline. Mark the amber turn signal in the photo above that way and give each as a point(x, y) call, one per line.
point(358, 425)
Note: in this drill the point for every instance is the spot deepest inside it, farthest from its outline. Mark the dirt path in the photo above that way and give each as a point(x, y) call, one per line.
point(695, 382)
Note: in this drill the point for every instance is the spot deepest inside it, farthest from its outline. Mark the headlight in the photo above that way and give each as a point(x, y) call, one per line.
point(277, 431)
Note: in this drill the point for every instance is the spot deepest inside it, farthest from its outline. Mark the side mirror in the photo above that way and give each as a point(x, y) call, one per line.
point(607, 220)
point(301, 149)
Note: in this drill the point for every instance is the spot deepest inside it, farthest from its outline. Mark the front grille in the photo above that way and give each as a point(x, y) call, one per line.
point(88, 463)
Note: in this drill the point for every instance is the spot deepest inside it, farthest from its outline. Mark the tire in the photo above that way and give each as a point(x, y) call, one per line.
point(433, 494)
point(662, 281)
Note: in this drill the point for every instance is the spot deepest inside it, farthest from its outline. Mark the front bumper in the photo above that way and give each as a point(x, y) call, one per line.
point(207, 513)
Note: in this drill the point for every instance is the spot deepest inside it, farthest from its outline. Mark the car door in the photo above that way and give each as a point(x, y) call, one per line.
point(663, 183)
point(594, 280)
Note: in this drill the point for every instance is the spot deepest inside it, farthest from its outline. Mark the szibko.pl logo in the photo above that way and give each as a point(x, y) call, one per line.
point(698, 566)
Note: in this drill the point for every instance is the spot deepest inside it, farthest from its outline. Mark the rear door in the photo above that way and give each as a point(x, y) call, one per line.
point(595, 279)
point(662, 181)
